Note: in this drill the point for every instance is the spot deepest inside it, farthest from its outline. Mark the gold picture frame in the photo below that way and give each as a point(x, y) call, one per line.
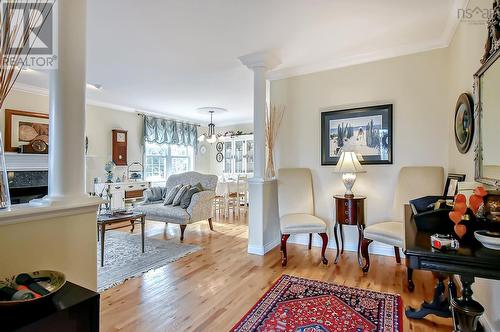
point(22, 127)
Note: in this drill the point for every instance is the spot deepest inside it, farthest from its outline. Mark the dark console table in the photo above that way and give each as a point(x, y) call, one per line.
point(471, 260)
point(72, 309)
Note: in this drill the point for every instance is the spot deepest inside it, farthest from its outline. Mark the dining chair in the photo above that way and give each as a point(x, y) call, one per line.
point(296, 208)
point(413, 182)
point(242, 187)
point(220, 190)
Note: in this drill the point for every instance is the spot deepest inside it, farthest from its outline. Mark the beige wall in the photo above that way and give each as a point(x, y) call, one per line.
point(100, 122)
point(423, 88)
point(463, 56)
point(67, 244)
point(415, 84)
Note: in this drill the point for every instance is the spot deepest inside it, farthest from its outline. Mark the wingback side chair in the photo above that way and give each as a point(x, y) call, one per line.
point(413, 182)
point(296, 208)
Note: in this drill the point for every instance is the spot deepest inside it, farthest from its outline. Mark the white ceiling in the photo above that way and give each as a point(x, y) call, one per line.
point(174, 56)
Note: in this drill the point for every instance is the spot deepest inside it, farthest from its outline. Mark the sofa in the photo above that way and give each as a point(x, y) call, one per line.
point(200, 207)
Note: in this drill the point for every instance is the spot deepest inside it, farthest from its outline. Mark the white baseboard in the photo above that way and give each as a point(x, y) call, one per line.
point(262, 250)
point(374, 248)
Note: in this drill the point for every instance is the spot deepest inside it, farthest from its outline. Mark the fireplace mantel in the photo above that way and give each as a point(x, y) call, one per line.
point(26, 161)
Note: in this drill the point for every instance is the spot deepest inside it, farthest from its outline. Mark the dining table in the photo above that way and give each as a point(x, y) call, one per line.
point(227, 186)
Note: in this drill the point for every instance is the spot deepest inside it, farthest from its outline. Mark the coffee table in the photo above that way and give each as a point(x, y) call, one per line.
point(105, 220)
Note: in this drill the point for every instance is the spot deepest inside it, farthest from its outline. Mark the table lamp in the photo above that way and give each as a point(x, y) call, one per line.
point(349, 165)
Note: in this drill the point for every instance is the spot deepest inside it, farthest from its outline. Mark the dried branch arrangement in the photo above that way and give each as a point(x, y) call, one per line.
point(20, 21)
point(16, 28)
point(273, 122)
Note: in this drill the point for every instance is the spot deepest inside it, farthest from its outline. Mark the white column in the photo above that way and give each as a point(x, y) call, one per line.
point(263, 224)
point(260, 63)
point(67, 89)
point(259, 121)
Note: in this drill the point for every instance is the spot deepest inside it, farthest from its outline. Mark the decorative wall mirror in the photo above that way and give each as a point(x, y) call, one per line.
point(487, 106)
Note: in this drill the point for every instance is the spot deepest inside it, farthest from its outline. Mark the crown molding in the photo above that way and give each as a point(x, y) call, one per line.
point(22, 87)
point(453, 21)
point(443, 41)
point(356, 59)
point(27, 88)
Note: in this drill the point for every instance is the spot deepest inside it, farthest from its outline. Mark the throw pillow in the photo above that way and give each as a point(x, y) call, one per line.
point(156, 191)
point(169, 198)
point(178, 196)
point(199, 186)
point(186, 198)
point(152, 194)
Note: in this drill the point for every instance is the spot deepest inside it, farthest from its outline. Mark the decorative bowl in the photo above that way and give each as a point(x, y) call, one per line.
point(490, 240)
point(54, 283)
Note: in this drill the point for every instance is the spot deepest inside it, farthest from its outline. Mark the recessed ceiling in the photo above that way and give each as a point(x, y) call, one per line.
point(172, 57)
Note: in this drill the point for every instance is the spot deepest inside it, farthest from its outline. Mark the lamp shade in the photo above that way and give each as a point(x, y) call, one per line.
point(348, 163)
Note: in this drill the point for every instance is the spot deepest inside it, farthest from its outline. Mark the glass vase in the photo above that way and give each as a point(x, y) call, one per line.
point(4, 181)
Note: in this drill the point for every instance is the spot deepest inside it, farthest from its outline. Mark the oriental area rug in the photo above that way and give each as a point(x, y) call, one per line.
point(297, 304)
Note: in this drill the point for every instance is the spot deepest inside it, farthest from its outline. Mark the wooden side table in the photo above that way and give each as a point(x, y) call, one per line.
point(349, 211)
point(104, 220)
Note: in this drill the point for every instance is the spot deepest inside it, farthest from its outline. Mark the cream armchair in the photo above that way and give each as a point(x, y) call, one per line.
point(296, 208)
point(413, 182)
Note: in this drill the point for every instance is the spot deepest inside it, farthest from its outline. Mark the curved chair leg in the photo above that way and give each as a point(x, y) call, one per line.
point(210, 224)
point(310, 240)
point(411, 285)
point(396, 253)
point(364, 252)
point(183, 228)
point(284, 258)
point(324, 236)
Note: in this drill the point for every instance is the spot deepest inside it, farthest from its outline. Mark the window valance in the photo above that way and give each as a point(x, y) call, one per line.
point(163, 131)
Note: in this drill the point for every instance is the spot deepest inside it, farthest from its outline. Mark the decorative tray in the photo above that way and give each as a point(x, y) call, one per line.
point(30, 287)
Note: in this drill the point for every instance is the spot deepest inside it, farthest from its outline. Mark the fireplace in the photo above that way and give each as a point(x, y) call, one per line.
point(27, 185)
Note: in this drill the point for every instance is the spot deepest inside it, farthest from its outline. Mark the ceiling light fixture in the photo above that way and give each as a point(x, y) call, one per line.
point(210, 137)
point(94, 86)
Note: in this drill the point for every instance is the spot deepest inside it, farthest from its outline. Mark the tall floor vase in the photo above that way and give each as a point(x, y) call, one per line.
point(4, 180)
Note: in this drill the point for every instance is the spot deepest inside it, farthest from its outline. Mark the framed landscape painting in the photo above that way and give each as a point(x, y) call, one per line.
point(367, 131)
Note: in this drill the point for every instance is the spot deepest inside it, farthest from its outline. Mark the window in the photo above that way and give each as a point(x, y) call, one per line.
point(162, 160)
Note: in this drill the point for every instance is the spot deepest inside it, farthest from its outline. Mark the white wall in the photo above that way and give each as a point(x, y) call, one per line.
point(464, 53)
point(99, 123)
point(415, 84)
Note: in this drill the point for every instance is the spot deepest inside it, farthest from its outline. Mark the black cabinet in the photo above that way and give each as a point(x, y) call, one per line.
point(72, 308)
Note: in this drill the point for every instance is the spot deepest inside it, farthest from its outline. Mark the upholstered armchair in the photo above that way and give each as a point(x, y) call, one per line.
point(296, 208)
point(413, 182)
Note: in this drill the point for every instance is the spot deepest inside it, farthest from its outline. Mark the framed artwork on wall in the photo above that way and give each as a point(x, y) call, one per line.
point(464, 123)
point(451, 186)
point(25, 128)
point(367, 131)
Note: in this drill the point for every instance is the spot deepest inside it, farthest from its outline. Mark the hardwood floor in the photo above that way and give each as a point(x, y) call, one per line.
point(213, 288)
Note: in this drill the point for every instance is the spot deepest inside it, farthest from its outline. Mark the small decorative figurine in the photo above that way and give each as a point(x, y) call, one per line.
point(109, 167)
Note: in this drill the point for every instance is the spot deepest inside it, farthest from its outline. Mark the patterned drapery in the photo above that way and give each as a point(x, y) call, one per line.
point(163, 131)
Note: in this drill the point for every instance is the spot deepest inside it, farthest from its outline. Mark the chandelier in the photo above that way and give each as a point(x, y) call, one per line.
point(210, 137)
